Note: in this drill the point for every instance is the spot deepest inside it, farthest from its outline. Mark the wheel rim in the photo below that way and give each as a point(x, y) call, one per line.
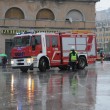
point(82, 63)
point(42, 66)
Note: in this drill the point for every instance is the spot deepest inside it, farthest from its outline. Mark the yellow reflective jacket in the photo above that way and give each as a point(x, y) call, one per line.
point(73, 57)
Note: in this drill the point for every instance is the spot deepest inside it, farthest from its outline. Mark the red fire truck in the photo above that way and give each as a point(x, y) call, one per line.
point(46, 50)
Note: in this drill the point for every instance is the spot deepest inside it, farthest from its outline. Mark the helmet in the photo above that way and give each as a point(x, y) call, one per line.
point(72, 47)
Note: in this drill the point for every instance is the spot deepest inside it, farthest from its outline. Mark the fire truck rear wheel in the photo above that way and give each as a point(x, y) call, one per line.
point(24, 69)
point(42, 65)
point(82, 63)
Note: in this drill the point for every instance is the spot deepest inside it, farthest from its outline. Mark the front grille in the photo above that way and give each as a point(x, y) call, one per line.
point(20, 63)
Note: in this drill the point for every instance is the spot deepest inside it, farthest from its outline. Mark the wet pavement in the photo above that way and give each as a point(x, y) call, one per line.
point(87, 89)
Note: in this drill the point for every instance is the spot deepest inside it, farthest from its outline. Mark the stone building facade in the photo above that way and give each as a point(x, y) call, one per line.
point(43, 15)
point(103, 30)
point(103, 34)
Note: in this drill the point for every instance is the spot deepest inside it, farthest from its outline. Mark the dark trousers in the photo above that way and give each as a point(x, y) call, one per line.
point(73, 65)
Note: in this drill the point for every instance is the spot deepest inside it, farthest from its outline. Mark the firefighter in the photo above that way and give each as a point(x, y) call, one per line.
point(73, 58)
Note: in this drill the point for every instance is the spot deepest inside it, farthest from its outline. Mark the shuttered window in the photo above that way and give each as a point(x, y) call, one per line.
point(74, 15)
point(45, 14)
point(14, 13)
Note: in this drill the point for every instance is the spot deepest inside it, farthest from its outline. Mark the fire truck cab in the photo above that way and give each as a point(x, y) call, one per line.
point(46, 50)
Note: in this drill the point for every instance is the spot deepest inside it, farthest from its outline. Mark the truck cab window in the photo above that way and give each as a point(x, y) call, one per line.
point(33, 43)
point(38, 40)
point(54, 41)
point(33, 40)
point(26, 40)
point(47, 41)
point(17, 41)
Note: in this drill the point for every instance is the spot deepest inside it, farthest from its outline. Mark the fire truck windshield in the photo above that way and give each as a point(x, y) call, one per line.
point(22, 41)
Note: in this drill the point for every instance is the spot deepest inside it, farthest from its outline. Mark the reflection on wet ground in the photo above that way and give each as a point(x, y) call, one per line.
point(86, 89)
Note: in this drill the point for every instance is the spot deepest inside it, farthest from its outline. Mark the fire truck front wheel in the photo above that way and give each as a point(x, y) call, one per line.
point(42, 65)
point(24, 69)
point(82, 62)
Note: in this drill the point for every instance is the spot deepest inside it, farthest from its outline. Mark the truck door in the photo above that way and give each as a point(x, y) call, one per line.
point(53, 49)
point(36, 45)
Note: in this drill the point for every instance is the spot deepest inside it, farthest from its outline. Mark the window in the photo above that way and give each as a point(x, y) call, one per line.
point(45, 14)
point(14, 13)
point(54, 41)
point(36, 40)
point(74, 15)
point(47, 41)
point(17, 41)
point(26, 40)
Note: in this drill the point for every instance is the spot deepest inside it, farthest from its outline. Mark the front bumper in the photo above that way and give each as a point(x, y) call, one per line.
point(21, 62)
point(17, 67)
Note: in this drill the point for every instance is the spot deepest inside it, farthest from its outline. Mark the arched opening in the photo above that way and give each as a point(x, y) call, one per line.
point(45, 14)
point(74, 15)
point(14, 13)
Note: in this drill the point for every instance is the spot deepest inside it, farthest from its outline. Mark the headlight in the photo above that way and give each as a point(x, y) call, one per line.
point(12, 62)
point(29, 60)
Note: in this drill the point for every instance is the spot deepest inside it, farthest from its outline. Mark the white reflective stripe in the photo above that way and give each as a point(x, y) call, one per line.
point(55, 54)
point(43, 43)
point(55, 60)
point(65, 60)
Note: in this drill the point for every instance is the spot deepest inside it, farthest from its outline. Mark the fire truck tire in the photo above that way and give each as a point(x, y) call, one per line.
point(24, 69)
point(82, 63)
point(42, 65)
point(63, 67)
point(31, 68)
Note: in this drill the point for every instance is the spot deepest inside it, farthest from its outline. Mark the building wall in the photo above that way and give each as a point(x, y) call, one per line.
point(103, 35)
point(103, 29)
point(59, 9)
point(31, 9)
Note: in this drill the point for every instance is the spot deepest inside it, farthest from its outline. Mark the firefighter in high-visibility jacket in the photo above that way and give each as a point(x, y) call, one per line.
point(73, 58)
